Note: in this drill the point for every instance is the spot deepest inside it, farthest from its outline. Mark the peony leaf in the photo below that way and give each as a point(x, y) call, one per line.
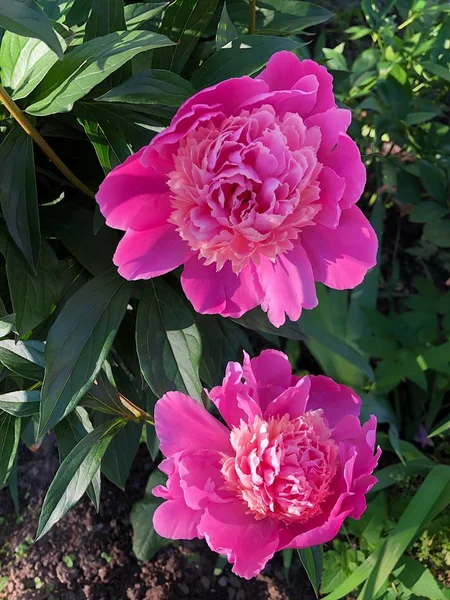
point(18, 196)
point(21, 403)
point(9, 441)
point(78, 343)
point(245, 55)
point(75, 474)
point(25, 18)
point(184, 22)
point(168, 341)
point(87, 65)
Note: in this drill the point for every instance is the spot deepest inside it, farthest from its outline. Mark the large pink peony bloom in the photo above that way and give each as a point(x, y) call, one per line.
point(292, 464)
point(252, 188)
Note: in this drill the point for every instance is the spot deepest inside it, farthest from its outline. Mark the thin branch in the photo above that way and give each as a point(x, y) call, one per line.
point(18, 115)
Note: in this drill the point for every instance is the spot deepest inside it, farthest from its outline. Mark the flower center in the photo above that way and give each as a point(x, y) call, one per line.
point(244, 186)
point(282, 468)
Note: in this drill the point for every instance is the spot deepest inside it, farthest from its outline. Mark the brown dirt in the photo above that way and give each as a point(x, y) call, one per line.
point(98, 550)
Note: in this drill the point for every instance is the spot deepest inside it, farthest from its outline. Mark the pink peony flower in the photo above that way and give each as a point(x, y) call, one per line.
point(292, 463)
point(252, 188)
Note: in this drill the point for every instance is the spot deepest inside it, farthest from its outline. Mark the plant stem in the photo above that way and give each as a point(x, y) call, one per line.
point(18, 115)
point(252, 16)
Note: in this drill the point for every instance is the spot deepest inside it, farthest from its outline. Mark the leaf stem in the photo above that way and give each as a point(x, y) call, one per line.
point(252, 16)
point(21, 119)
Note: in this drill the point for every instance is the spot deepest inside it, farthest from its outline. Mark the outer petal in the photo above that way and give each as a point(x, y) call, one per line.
point(149, 253)
point(292, 401)
point(183, 425)
point(219, 101)
point(345, 160)
point(201, 479)
point(331, 190)
point(288, 285)
point(332, 123)
point(176, 521)
point(269, 375)
point(220, 292)
point(341, 257)
point(233, 398)
point(129, 189)
point(337, 401)
point(299, 100)
point(246, 542)
point(284, 70)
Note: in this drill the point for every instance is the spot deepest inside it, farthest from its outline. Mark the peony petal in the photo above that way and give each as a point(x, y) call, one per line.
point(269, 375)
point(128, 190)
point(337, 401)
point(247, 543)
point(220, 292)
point(299, 100)
point(285, 71)
point(345, 160)
point(341, 257)
point(292, 401)
point(288, 285)
point(199, 429)
point(174, 520)
point(232, 398)
point(331, 190)
point(201, 479)
point(147, 254)
point(331, 123)
point(219, 100)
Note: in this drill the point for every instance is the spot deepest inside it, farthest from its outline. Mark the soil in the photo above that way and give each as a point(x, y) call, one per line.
point(88, 556)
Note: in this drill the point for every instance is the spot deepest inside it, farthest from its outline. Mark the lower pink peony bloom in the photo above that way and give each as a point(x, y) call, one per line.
point(253, 189)
point(292, 463)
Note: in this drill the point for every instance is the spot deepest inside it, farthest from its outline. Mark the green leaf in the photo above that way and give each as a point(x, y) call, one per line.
point(21, 403)
point(6, 325)
point(25, 18)
point(245, 55)
point(425, 212)
point(430, 493)
point(25, 62)
point(168, 341)
point(438, 233)
point(87, 65)
point(24, 358)
point(409, 365)
point(226, 31)
point(78, 343)
point(433, 180)
point(279, 16)
point(18, 197)
point(145, 539)
point(415, 118)
point(73, 226)
point(142, 14)
point(113, 132)
point(119, 456)
point(440, 429)
point(184, 22)
point(75, 474)
point(9, 441)
point(312, 561)
point(153, 86)
point(69, 432)
point(418, 579)
point(34, 296)
point(257, 320)
point(437, 69)
point(57, 9)
point(106, 16)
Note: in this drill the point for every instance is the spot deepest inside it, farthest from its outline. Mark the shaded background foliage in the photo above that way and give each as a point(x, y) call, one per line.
point(85, 354)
